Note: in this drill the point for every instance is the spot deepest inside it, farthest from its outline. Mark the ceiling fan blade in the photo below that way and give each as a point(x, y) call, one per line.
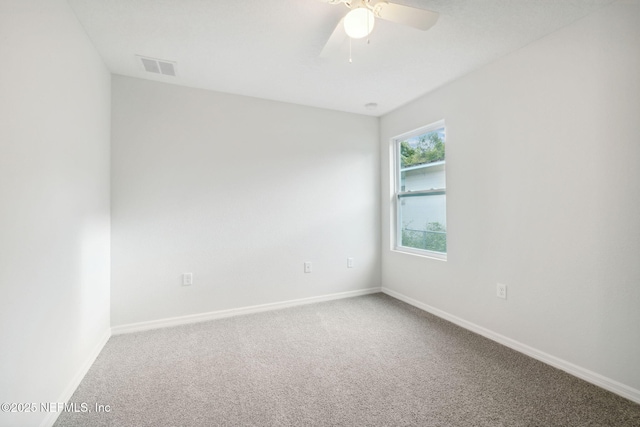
point(411, 16)
point(335, 40)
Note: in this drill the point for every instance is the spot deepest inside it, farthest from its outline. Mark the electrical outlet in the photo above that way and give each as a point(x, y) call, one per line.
point(307, 267)
point(349, 262)
point(187, 279)
point(501, 291)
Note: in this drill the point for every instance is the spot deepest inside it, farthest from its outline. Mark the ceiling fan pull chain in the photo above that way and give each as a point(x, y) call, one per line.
point(368, 26)
point(350, 59)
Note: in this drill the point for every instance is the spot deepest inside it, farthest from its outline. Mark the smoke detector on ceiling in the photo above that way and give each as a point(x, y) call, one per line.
point(157, 66)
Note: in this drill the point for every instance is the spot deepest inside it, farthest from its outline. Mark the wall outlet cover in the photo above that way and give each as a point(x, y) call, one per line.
point(501, 291)
point(187, 279)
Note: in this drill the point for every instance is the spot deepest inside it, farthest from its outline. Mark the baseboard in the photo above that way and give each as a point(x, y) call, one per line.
point(577, 371)
point(202, 317)
point(51, 417)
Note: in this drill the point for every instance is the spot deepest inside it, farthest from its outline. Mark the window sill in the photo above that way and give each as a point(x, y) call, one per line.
point(420, 253)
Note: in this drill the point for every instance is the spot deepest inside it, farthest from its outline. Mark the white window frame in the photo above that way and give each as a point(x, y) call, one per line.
point(396, 227)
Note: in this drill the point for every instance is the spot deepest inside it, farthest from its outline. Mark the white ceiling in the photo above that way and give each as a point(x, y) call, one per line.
point(270, 48)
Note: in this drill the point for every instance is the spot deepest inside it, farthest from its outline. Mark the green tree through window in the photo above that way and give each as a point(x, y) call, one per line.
point(428, 149)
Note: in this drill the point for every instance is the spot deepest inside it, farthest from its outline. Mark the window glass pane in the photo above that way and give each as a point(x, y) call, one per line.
point(423, 222)
point(422, 161)
point(423, 177)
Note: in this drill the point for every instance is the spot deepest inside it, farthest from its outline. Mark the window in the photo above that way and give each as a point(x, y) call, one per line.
point(420, 191)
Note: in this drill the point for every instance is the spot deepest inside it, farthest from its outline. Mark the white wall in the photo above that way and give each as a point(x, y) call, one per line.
point(240, 192)
point(54, 191)
point(543, 192)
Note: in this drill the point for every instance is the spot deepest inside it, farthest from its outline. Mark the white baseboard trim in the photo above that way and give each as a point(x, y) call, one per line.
point(51, 417)
point(577, 371)
point(203, 317)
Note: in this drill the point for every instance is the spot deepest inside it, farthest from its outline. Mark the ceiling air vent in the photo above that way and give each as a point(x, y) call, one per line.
point(158, 66)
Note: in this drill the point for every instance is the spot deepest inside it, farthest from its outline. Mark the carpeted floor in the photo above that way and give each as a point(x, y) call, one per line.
point(365, 361)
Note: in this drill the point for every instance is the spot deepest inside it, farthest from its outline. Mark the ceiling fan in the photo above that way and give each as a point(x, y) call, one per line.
point(360, 20)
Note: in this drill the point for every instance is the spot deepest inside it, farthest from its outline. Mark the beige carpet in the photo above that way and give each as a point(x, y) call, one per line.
point(365, 361)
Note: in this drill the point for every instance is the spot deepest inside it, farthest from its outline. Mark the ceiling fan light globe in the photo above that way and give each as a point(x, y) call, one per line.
point(359, 23)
